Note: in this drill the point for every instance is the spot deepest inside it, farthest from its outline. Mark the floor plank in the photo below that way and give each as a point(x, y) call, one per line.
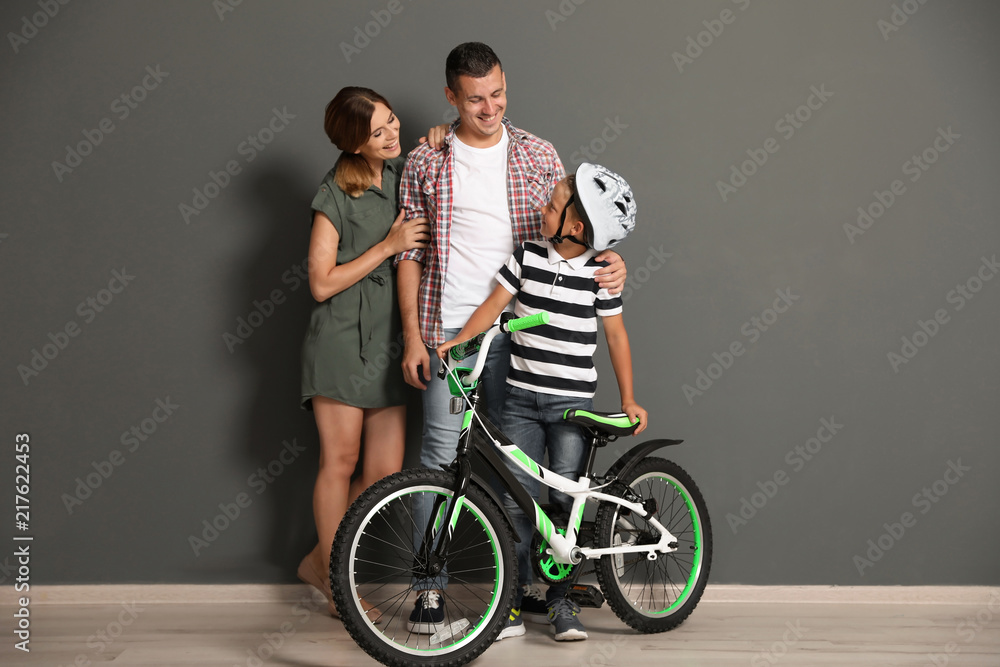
point(300, 634)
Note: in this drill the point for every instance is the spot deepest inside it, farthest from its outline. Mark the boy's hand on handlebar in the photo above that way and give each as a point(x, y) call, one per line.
point(443, 348)
point(636, 412)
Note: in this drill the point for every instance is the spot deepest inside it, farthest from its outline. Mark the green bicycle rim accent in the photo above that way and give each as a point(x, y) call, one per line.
point(494, 548)
point(696, 561)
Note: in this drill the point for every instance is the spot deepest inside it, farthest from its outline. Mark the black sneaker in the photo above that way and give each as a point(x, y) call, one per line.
point(427, 616)
point(533, 604)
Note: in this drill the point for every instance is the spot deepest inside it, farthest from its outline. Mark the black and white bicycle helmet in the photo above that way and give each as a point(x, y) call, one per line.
point(604, 200)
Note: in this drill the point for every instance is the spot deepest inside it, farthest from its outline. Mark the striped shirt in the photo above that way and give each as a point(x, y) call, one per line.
point(558, 357)
point(427, 191)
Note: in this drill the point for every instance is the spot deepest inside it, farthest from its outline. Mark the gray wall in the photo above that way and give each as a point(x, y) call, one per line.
point(792, 502)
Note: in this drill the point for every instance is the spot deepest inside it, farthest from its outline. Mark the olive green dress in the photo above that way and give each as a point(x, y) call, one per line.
point(353, 349)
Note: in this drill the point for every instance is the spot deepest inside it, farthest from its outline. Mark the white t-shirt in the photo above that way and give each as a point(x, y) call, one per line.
point(481, 235)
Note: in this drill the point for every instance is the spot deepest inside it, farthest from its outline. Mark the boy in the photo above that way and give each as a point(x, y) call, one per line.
point(552, 366)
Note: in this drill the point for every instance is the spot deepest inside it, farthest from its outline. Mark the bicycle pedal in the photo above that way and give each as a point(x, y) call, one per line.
point(586, 595)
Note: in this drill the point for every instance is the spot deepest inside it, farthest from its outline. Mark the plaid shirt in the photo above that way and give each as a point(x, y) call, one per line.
point(427, 191)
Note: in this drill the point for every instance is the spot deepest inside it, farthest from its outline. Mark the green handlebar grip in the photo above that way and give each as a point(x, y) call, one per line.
point(528, 322)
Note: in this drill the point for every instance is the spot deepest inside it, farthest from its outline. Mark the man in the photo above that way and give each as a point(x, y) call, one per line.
point(483, 194)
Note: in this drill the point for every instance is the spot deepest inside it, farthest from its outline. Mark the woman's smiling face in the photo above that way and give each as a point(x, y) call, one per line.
point(383, 142)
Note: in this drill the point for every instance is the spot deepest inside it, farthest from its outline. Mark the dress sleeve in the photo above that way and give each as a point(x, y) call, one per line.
point(325, 202)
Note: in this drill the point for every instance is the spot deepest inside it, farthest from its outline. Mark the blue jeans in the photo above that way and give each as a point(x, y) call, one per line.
point(534, 422)
point(442, 429)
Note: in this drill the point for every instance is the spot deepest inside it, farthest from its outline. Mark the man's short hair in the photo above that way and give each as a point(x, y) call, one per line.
point(473, 59)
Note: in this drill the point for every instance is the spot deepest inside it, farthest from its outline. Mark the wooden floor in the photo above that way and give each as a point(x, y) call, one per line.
point(721, 631)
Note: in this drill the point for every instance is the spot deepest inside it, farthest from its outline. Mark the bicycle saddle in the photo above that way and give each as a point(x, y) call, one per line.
point(605, 423)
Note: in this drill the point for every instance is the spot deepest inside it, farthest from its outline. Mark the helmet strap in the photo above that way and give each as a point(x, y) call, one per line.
point(559, 238)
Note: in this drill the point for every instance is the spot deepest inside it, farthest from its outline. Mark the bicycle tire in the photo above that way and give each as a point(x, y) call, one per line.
point(375, 558)
point(669, 587)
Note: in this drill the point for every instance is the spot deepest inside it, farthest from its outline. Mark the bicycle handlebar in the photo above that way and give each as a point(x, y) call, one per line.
point(482, 343)
point(468, 348)
point(526, 322)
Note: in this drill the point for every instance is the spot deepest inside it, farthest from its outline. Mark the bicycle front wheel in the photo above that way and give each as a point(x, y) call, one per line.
point(656, 595)
point(377, 562)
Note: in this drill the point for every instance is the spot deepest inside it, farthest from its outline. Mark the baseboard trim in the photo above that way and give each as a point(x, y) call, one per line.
point(720, 593)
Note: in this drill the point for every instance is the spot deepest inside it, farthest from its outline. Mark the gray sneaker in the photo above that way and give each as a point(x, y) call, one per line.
point(565, 622)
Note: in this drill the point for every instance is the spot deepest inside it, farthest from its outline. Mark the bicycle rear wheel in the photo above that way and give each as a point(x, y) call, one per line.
point(656, 595)
point(377, 560)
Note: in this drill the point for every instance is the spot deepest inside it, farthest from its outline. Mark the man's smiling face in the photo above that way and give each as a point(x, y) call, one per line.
point(481, 104)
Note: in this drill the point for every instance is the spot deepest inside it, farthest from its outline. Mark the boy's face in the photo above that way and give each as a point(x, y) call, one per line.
point(552, 212)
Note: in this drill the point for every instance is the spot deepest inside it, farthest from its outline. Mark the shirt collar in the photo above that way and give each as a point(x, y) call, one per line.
point(512, 132)
point(576, 263)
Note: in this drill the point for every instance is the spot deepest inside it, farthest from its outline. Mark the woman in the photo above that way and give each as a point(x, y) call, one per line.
point(349, 380)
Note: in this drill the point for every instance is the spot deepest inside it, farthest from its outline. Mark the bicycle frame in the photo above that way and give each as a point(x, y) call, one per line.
point(481, 436)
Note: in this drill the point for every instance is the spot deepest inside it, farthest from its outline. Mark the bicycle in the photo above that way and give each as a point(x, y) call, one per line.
point(651, 574)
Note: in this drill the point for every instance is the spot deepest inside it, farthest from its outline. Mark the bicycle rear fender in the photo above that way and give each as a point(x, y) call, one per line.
point(630, 459)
